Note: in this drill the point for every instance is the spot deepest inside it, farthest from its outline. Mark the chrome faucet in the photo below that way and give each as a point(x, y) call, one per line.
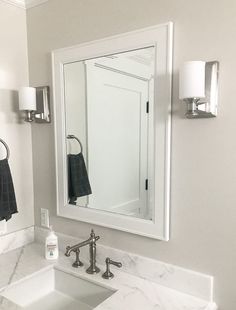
point(92, 251)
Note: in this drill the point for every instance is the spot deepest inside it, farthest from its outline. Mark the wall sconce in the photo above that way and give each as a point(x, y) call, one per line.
point(36, 104)
point(198, 87)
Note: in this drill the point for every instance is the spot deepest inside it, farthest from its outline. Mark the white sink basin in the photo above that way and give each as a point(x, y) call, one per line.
point(54, 289)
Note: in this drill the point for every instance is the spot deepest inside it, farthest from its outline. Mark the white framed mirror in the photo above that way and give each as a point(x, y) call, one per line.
point(112, 106)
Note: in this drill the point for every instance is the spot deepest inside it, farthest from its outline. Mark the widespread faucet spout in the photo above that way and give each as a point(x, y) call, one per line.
point(75, 247)
point(91, 241)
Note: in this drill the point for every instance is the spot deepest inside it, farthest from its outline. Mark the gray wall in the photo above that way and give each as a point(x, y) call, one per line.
point(203, 192)
point(17, 134)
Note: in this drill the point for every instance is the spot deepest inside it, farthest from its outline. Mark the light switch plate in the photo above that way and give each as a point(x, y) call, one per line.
point(3, 227)
point(45, 218)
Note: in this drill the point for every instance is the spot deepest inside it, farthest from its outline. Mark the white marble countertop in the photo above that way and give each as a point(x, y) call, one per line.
point(131, 291)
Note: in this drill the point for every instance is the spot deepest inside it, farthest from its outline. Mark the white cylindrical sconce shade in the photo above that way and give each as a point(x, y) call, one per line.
point(192, 80)
point(27, 98)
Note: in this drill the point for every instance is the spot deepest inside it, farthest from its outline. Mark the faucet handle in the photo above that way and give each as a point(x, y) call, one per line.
point(77, 262)
point(112, 262)
point(108, 274)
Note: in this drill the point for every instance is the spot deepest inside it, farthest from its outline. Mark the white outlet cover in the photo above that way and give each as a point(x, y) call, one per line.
point(3, 227)
point(45, 218)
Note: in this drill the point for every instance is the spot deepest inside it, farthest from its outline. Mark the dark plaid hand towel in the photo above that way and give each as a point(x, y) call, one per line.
point(7, 194)
point(78, 181)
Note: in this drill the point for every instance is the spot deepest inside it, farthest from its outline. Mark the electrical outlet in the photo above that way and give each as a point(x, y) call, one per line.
point(3, 227)
point(45, 218)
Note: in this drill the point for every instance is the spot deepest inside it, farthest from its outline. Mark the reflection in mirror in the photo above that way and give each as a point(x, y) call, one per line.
point(110, 133)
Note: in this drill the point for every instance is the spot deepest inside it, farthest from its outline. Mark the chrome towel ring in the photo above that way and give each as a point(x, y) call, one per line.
point(74, 137)
point(7, 148)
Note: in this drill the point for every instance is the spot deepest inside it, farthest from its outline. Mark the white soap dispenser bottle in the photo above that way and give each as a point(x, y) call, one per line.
point(51, 246)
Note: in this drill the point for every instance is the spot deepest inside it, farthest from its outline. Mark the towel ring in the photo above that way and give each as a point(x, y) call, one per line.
point(7, 148)
point(74, 137)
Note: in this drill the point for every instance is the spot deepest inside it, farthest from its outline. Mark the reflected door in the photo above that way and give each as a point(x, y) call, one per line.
point(117, 128)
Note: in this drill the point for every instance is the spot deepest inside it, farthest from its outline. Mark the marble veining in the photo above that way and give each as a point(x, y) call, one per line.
point(131, 291)
point(16, 239)
point(184, 280)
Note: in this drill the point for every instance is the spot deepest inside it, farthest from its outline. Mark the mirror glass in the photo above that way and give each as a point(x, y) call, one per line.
point(110, 132)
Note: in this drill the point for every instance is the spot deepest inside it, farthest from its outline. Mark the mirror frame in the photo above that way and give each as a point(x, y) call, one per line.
point(161, 37)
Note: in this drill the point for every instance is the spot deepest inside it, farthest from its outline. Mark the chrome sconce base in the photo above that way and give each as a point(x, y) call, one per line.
point(205, 107)
point(193, 110)
point(42, 113)
point(30, 116)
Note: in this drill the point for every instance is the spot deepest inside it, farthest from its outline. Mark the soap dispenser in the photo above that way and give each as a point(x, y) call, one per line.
point(51, 246)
